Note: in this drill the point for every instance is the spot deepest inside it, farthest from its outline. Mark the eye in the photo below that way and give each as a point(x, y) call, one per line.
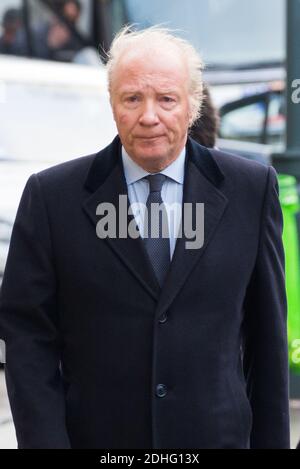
point(132, 99)
point(168, 99)
point(167, 102)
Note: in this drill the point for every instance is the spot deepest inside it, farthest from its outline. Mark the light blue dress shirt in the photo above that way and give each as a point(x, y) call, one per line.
point(172, 192)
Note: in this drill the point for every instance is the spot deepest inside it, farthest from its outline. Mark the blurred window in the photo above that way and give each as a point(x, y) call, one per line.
point(228, 33)
point(53, 30)
point(225, 38)
point(12, 38)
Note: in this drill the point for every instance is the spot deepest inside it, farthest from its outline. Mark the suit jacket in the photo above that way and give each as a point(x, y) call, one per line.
point(98, 356)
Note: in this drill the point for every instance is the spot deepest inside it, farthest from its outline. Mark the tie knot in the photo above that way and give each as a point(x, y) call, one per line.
point(156, 182)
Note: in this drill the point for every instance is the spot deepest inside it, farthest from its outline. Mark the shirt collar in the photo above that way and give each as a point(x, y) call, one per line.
point(133, 172)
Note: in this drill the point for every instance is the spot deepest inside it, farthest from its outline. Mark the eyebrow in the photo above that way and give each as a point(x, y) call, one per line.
point(160, 92)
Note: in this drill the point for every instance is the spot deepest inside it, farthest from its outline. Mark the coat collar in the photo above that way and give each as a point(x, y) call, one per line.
point(105, 161)
point(203, 180)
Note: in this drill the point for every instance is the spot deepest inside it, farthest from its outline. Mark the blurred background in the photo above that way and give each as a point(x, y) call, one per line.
point(54, 104)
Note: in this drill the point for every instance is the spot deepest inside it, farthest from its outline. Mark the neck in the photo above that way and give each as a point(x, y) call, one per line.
point(157, 166)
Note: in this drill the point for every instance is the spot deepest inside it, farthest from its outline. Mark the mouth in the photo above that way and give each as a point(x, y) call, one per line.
point(155, 137)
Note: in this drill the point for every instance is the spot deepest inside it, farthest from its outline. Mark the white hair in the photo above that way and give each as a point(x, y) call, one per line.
point(159, 37)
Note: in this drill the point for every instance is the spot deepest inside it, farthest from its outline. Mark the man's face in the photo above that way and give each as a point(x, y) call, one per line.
point(150, 101)
point(71, 12)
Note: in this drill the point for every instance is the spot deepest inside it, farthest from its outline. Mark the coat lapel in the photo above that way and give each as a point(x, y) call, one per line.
point(106, 181)
point(202, 179)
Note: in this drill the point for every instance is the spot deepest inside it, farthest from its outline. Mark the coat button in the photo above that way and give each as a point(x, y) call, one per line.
point(161, 390)
point(163, 318)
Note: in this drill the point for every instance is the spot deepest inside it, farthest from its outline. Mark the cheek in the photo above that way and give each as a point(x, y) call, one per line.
point(126, 120)
point(123, 122)
point(177, 123)
point(126, 124)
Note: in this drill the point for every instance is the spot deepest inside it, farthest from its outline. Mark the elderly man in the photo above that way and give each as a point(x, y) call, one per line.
point(141, 339)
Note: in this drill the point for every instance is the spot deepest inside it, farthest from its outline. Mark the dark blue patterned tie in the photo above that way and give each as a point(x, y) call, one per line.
point(158, 247)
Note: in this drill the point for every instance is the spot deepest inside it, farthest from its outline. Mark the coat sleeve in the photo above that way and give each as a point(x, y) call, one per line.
point(265, 331)
point(29, 328)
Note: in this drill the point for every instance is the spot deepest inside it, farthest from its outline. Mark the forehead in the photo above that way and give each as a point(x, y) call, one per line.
point(150, 68)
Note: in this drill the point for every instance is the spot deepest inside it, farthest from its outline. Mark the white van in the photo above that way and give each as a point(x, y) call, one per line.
point(50, 112)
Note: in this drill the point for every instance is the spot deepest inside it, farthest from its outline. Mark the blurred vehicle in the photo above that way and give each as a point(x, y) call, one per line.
point(13, 177)
point(59, 29)
point(259, 117)
point(254, 126)
point(50, 112)
point(222, 30)
point(252, 151)
point(248, 68)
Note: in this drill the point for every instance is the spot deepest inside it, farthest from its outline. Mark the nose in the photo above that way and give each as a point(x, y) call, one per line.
point(149, 116)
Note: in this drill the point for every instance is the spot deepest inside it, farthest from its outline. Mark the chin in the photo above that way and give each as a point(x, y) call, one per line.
point(152, 156)
point(155, 151)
